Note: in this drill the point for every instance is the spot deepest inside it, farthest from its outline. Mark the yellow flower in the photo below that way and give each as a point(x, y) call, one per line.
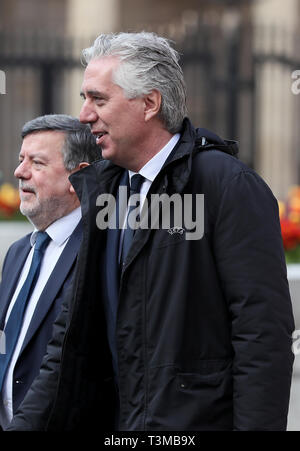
point(9, 196)
point(282, 208)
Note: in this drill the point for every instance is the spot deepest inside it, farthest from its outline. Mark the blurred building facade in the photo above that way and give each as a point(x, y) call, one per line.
point(237, 56)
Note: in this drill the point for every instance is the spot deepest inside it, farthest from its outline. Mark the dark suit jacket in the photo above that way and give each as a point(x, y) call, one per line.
point(47, 309)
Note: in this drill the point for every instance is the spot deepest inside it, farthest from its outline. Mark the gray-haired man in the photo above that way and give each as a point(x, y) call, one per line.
point(54, 146)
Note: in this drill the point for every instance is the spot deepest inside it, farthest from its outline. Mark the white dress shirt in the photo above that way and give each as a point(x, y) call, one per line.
point(152, 168)
point(59, 232)
point(149, 171)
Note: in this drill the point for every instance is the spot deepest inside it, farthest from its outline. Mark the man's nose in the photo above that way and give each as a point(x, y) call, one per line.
point(22, 171)
point(87, 114)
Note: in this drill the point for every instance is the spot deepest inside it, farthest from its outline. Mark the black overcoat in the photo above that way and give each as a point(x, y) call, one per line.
point(204, 326)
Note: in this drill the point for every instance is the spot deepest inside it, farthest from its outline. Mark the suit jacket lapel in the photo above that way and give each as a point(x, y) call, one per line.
point(55, 282)
point(11, 276)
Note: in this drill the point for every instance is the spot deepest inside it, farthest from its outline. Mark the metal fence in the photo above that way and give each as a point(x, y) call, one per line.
point(225, 72)
point(43, 76)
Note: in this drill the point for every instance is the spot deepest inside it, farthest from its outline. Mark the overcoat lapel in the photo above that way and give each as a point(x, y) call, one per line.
point(112, 248)
point(55, 282)
point(180, 157)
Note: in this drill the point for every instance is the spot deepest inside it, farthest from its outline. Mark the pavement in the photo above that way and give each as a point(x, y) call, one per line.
point(294, 410)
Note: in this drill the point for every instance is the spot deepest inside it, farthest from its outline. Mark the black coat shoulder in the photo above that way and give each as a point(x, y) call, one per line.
point(216, 170)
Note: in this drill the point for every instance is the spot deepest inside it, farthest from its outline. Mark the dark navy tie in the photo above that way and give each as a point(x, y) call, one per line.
point(14, 322)
point(135, 187)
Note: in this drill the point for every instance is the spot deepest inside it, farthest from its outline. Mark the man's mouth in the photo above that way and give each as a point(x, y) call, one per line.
point(99, 136)
point(26, 190)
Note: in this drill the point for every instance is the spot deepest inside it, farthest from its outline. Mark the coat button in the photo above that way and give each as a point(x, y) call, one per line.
point(18, 381)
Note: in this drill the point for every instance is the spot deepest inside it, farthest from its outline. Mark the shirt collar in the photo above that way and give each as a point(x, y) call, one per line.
point(60, 230)
point(154, 165)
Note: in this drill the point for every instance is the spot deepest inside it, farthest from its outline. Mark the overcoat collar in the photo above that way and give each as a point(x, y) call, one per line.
point(104, 177)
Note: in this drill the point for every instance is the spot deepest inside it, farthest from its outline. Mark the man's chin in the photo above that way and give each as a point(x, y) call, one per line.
point(108, 153)
point(29, 212)
point(105, 154)
point(113, 158)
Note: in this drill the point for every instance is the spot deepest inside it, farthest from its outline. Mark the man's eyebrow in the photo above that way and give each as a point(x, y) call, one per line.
point(93, 93)
point(40, 155)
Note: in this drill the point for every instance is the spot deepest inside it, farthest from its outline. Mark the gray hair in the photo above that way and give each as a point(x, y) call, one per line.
point(147, 62)
point(80, 144)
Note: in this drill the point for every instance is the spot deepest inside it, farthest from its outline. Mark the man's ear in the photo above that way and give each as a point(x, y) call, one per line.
point(81, 165)
point(152, 104)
